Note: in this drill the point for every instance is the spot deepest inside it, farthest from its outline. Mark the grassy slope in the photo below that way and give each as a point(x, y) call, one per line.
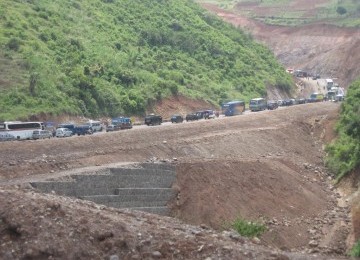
point(344, 153)
point(108, 57)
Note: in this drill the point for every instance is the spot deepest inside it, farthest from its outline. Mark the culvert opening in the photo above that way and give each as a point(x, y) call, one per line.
point(144, 186)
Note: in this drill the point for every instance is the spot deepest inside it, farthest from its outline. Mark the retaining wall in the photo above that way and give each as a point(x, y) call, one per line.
point(144, 186)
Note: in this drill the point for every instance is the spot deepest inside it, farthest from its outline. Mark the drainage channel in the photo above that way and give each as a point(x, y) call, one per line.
point(144, 187)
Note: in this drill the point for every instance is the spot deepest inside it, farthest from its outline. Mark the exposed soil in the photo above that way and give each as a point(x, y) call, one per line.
point(331, 51)
point(265, 167)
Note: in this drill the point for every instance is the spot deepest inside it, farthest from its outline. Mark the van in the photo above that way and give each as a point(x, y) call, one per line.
point(96, 126)
point(41, 134)
point(257, 104)
point(63, 132)
point(69, 126)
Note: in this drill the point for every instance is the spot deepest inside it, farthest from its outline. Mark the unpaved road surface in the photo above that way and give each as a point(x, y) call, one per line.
point(264, 166)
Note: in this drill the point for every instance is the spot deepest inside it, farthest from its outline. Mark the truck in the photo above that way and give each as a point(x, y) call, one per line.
point(329, 84)
point(153, 119)
point(83, 130)
point(315, 97)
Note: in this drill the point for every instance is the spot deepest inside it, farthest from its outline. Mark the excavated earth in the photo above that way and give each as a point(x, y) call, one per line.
point(328, 50)
point(265, 167)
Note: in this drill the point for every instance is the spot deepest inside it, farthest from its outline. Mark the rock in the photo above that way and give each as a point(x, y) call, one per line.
point(313, 243)
point(255, 240)
point(114, 257)
point(156, 254)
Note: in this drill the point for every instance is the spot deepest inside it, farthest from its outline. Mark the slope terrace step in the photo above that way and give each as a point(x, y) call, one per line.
point(127, 202)
point(164, 211)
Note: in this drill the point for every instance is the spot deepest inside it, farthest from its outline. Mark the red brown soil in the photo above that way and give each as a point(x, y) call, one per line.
point(180, 105)
point(263, 166)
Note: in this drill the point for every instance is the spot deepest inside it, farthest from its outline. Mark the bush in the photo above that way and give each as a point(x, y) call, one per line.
point(248, 228)
point(343, 155)
point(355, 251)
point(13, 44)
point(341, 10)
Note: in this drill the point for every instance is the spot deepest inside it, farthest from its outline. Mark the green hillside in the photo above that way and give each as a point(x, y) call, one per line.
point(110, 57)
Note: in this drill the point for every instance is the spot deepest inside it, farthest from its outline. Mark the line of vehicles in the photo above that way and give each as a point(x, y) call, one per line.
point(16, 130)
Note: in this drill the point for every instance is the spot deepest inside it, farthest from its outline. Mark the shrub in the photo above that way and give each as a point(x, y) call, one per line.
point(13, 44)
point(341, 10)
point(343, 155)
point(248, 228)
point(355, 251)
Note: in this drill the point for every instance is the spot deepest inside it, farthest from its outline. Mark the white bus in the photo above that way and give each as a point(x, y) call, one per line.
point(20, 130)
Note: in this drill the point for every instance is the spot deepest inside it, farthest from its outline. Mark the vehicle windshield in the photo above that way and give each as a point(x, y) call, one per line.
point(253, 102)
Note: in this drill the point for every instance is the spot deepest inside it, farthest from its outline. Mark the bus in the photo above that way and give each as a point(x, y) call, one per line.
point(122, 122)
point(233, 108)
point(257, 104)
point(20, 130)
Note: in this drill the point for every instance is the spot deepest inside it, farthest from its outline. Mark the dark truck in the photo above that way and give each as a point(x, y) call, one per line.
point(82, 130)
point(153, 120)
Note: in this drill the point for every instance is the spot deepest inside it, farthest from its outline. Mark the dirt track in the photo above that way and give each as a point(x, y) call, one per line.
point(264, 166)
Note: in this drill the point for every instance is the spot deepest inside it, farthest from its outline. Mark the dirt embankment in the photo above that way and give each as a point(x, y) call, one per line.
point(264, 166)
point(331, 51)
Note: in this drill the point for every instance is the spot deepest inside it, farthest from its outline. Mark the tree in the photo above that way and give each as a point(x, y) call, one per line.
point(341, 10)
point(33, 81)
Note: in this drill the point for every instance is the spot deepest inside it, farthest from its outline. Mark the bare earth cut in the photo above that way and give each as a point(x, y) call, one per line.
point(264, 166)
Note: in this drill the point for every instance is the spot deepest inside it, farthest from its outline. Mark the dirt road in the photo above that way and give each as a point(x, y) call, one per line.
point(265, 166)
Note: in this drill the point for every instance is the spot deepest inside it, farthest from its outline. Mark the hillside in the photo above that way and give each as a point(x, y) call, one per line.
point(317, 43)
point(98, 57)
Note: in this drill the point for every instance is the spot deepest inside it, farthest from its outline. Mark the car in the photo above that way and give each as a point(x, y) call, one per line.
point(112, 128)
point(209, 114)
point(41, 134)
point(153, 119)
point(191, 117)
point(287, 102)
point(63, 132)
point(301, 101)
point(177, 119)
point(272, 104)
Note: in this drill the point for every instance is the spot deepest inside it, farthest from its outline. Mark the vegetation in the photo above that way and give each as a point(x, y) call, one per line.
point(344, 154)
point(289, 13)
point(108, 57)
point(355, 252)
point(248, 228)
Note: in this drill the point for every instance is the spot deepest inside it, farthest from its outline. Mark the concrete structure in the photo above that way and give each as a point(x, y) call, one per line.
point(145, 186)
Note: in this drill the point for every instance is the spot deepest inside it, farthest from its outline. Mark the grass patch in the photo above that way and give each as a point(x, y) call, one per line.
point(355, 251)
point(247, 228)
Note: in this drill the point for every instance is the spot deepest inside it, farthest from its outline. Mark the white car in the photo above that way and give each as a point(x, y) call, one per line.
point(63, 132)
